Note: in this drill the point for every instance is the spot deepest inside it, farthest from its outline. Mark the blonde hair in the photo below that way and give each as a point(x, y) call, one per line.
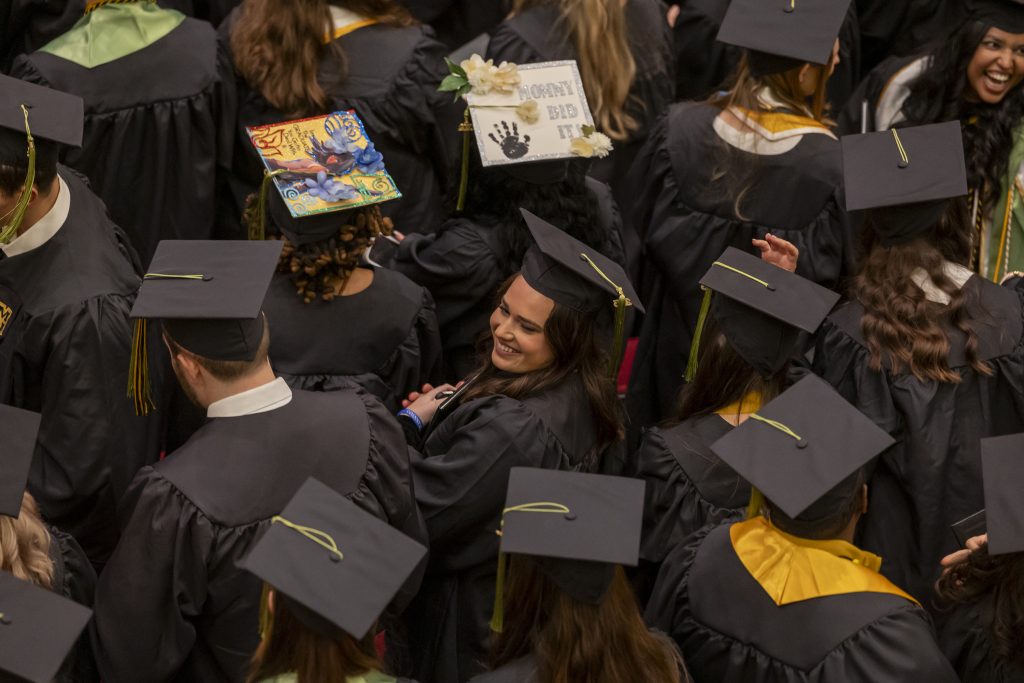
point(25, 545)
point(598, 32)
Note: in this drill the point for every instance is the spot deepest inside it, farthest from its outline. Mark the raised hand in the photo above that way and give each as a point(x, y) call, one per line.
point(778, 252)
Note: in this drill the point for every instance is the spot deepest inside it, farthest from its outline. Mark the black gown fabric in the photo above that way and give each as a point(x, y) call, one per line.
point(65, 346)
point(461, 479)
point(176, 130)
point(384, 338)
point(463, 265)
point(391, 82)
point(458, 21)
point(852, 118)
point(931, 478)
point(901, 28)
point(27, 25)
point(966, 640)
point(171, 604)
point(686, 220)
point(731, 631)
point(74, 579)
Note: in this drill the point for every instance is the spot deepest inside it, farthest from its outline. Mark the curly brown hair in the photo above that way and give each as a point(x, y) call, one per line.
point(1000, 578)
point(903, 329)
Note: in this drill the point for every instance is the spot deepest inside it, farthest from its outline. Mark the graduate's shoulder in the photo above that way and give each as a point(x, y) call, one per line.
point(385, 60)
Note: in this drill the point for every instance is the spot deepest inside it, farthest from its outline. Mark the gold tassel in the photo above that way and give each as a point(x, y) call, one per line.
point(621, 304)
point(756, 503)
point(11, 229)
point(138, 370)
point(466, 127)
point(691, 365)
point(498, 615)
point(259, 230)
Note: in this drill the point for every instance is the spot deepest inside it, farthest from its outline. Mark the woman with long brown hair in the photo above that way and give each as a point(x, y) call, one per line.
point(758, 158)
point(309, 57)
point(931, 352)
point(541, 397)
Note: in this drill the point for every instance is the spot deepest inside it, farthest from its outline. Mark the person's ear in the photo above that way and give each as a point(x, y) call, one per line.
point(804, 71)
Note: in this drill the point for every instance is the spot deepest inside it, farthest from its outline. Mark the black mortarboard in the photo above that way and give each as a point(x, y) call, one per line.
point(1003, 479)
point(337, 565)
point(1007, 15)
point(305, 229)
point(21, 427)
point(577, 526)
point(762, 308)
point(52, 115)
point(37, 630)
point(801, 446)
point(783, 34)
point(910, 172)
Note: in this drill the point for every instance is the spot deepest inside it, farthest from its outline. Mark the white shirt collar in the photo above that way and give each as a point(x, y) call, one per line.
point(957, 273)
point(46, 227)
point(262, 399)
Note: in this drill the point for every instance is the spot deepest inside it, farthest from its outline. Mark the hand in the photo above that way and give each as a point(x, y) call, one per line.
point(426, 403)
point(960, 556)
point(399, 236)
point(778, 252)
point(413, 395)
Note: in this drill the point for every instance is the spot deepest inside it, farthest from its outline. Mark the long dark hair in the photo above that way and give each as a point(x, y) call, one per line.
point(904, 331)
point(573, 641)
point(1002, 578)
point(575, 340)
point(723, 377)
point(938, 95)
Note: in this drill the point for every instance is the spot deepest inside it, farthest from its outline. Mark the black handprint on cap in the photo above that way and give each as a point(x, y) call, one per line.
point(511, 146)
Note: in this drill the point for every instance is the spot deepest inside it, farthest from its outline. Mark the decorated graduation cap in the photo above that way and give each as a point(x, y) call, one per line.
point(319, 166)
point(38, 628)
point(29, 112)
point(783, 34)
point(577, 276)
point(1007, 15)
point(336, 565)
point(905, 176)
point(528, 119)
point(209, 295)
point(800, 450)
point(576, 526)
point(761, 309)
point(21, 428)
point(1003, 479)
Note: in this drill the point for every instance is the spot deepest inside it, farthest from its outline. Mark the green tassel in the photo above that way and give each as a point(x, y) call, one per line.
point(498, 615)
point(258, 231)
point(756, 503)
point(8, 232)
point(621, 304)
point(691, 365)
point(466, 127)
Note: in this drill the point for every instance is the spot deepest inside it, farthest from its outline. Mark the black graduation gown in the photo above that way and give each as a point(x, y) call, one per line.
point(932, 477)
point(966, 640)
point(65, 346)
point(460, 479)
point(900, 28)
point(463, 265)
point(685, 223)
point(27, 25)
point(391, 83)
point(75, 579)
point(176, 130)
point(384, 339)
point(731, 631)
point(852, 117)
point(171, 604)
point(458, 21)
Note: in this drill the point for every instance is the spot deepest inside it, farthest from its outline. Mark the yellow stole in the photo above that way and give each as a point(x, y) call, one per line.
point(777, 125)
point(349, 28)
point(792, 569)
point(751, 403)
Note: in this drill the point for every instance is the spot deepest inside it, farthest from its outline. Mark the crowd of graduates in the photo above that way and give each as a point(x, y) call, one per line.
point(511, 341)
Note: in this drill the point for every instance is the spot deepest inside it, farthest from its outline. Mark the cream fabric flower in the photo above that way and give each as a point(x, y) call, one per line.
point(528, 111)
point(505, 77)
point(591, 144)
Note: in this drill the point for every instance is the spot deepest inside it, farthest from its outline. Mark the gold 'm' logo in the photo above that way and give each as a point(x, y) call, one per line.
point(5, 317)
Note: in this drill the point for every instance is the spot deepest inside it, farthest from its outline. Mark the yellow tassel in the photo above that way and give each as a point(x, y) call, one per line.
point(691, 365)
point(466, 127)
point(8, 232)
point(258, 231)
point(498, 615)
point(756, 503)
point(138, 370)
point(621, 304)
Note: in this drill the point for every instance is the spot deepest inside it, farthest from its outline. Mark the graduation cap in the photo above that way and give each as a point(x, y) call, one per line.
point(337, 566)
point(909, 172)
point(1002, 478)
point(576, 276)
point(576, 526)
point(38, 628)
point(32, 111)
point(761, 309)
point(798, 449)
point(1007, 15)
point(209, 294)
point(21, 428)
point(783, 34)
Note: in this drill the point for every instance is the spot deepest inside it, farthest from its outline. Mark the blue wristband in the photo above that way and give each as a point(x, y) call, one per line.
point(412, 416)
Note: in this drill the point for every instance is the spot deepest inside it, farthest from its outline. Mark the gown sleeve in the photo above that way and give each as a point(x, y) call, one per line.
point(150, 590)
point(75, 579)
point(417, 360)
point(507, 46)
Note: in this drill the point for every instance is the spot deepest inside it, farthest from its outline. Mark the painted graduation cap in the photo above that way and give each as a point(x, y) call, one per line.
point(761, 309)
point(800, 449)
point(337, 565)
point(21, 429)
point(576, 526)
point(783, 34)
point(29, 112)
point(909, 172)
point(1003, 479)
point(38, 628)
point(209, 295)
point(1007, 15)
